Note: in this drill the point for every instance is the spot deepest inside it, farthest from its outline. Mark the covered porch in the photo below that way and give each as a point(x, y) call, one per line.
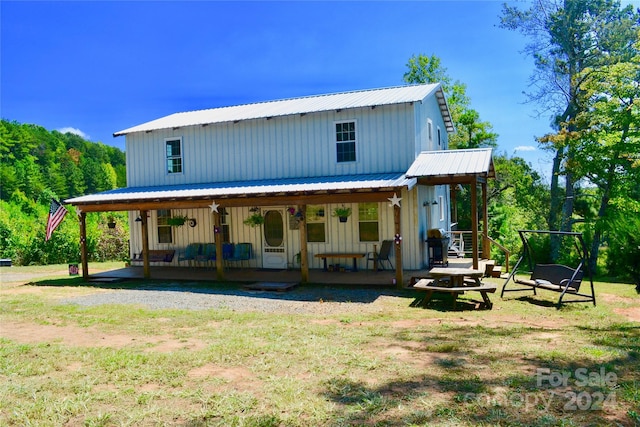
point(430, 169)
point(215, 198)
point(251, 275)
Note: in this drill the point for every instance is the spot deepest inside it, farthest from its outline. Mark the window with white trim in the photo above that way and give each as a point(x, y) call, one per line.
point(164, 229)
point(173, 151)
point(316, 220)
point(224, 224)
point(430, 131)
point(368, 222)
point(346, 142)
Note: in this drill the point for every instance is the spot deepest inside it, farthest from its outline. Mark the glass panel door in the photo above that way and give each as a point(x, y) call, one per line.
point(274, 253)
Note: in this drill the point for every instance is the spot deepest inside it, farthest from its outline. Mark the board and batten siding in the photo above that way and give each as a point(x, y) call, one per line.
point(282, 147)
point(340, 237)
point(425, 112)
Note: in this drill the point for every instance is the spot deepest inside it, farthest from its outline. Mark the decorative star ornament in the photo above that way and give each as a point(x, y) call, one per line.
point(395, 200)
point(214, 206)
point(78, 211)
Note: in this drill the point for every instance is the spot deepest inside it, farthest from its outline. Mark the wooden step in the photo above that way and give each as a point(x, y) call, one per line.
point(497, 271)
point(489, 265)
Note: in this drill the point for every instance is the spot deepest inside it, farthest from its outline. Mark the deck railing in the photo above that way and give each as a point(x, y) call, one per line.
point(506, 253)
point(463, 242)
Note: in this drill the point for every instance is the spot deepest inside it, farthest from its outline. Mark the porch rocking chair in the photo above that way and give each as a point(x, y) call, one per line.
point(241, 252)
point(382, 256)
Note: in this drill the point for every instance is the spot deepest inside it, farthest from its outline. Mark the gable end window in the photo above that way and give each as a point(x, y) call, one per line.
point(173, 150)
point(346, 142)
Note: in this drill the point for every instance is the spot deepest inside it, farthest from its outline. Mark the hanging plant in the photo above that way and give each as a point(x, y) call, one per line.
point(177, 221)
point(342, 212)
point(111, 222)
point(254, 220)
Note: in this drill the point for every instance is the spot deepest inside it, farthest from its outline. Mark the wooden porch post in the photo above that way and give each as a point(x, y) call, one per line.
point(217, 235)
point(474, 221)
point(486, 245)
point(398, 247)
point(146, 268)
point(453, 192)
point(83, 245)
point(304, 263)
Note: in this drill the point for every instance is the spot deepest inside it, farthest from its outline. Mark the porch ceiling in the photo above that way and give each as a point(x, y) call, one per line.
point(318, 190)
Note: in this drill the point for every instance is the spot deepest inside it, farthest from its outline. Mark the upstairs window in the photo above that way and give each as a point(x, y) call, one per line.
point(164, 229)
point(430, 131)
point(439, 137)
point(368, 222)
point(346, 142)
point(174, 155)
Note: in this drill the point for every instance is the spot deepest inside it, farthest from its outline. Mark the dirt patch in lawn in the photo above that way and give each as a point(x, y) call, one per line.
point(31, 333)
point(633, 313)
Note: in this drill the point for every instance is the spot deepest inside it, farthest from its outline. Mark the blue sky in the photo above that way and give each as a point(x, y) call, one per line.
point(100, 67)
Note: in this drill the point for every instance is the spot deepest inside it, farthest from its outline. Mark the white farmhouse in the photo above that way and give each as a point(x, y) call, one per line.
point(288, 164)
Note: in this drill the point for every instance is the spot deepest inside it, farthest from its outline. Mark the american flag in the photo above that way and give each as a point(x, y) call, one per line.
point(56, 215)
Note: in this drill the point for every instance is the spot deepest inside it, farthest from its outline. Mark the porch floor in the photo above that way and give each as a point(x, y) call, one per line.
point(249, 275)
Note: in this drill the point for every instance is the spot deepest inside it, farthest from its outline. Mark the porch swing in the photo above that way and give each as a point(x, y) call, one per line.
point(559, 278)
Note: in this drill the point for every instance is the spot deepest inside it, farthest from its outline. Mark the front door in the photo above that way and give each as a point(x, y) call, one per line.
point(274, 252)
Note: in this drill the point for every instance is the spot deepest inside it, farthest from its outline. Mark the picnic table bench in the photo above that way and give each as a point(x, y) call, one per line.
point(354, 255)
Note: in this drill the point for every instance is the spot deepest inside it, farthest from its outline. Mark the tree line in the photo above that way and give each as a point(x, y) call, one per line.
point(36, 165)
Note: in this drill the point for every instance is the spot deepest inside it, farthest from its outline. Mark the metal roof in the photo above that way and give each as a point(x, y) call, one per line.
point(248, 188)
point(303, 105)
point(448, 163)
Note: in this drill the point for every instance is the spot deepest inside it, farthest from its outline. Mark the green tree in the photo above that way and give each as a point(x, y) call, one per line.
point(472, 132)
point(606, 143)
point(476, 133)
point(566, 38)
point(517, 200)
point(36, 164)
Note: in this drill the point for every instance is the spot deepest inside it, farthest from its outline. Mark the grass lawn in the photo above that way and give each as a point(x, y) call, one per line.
point(380, 363)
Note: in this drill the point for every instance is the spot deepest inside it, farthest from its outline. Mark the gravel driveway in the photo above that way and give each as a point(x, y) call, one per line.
point(300, 300)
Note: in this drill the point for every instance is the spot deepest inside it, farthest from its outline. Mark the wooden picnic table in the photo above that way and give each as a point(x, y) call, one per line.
point(354, 255)
point(455, 281)
point(455, 277)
